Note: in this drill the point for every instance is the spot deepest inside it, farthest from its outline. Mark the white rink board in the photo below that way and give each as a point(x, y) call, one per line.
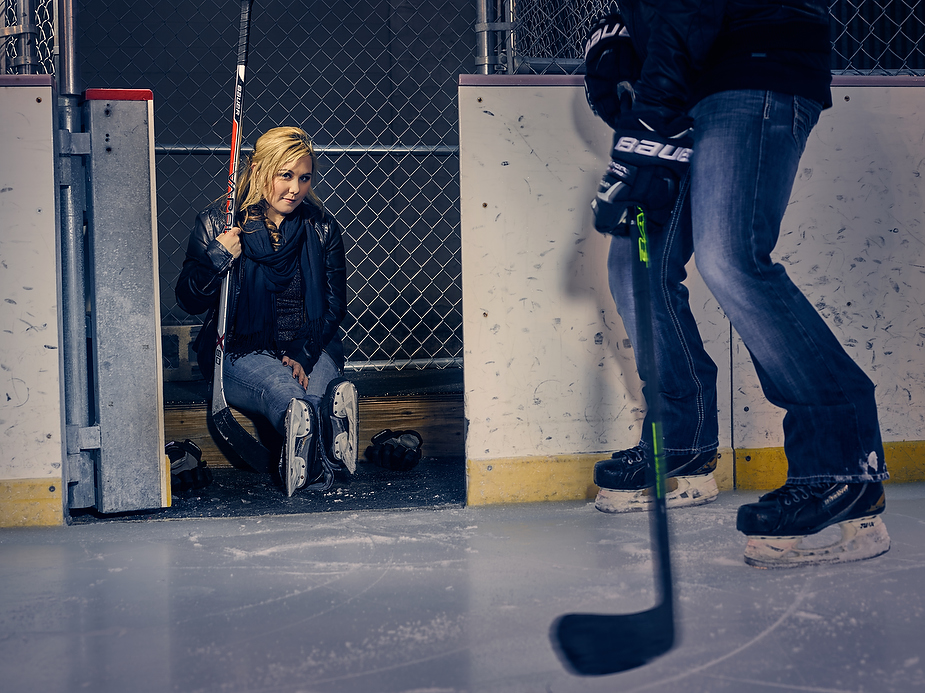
point(853, 240)
point(547, 366)
point(32, 444)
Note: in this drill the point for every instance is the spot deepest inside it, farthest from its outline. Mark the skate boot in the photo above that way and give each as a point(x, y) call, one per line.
point(340, 412)
point(781, 525)
point(299, 448)
point(623, 484)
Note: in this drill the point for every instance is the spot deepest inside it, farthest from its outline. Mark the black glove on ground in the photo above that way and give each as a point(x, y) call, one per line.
point(398, 451)
point(187, 468)
point(650, 157)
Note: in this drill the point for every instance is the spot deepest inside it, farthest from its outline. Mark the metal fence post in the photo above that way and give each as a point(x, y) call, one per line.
point(72, 181)
point(494, 38)
point(23, 34)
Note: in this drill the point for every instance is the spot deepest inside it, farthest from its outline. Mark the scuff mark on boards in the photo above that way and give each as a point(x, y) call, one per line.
point(38, 328)
point(19, 394)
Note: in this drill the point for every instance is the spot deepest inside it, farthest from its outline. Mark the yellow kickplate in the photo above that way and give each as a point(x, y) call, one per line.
point(905, 461)
point(759, 469)
point(166, 490)
point(30, 503)
point(531, 479)
point(550, 478)
point(569, 477)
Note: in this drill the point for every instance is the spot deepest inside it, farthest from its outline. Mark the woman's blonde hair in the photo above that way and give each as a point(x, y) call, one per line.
point(274, 148)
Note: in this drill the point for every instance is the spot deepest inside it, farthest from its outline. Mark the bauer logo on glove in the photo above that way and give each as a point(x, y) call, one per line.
point(650, 148)
point(649, 159)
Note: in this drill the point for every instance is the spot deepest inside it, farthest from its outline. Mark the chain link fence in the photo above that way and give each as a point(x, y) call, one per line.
point(869, 37)
point(878, 38)
point(27, 37)
point(374, 82)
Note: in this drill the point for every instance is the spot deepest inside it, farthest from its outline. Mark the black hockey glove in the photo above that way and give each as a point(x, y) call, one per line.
point(609, 59)
point(649, 159)
point(188, 470)
point(397, 451)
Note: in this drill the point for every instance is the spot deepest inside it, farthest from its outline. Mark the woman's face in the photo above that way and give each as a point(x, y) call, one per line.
point(288, 187)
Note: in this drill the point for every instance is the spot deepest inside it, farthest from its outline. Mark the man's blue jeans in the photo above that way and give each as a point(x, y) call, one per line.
point(261, 384)
point(747, 147)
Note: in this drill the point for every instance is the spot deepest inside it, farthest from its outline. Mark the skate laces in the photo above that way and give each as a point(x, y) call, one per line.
point(630, 457)
point(790, 494)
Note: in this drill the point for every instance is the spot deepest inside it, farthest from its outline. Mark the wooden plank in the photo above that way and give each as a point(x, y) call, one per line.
point(438, 418)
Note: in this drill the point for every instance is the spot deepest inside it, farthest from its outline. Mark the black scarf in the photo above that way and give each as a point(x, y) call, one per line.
point(267, 273)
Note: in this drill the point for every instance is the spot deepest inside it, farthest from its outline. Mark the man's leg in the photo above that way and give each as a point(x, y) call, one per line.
point(686, 374)
point(747, 149)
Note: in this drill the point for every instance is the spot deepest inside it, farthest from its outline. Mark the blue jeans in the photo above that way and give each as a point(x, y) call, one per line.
point(686, 373)
point(747, 147)
point(261, 384)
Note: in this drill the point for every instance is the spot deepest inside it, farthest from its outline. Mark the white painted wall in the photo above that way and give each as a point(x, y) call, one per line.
point(31, 395)
point(547, 367)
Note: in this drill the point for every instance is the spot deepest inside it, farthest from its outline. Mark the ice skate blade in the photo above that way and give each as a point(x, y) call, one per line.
point(863, 538)
point(298, 426)
point(295, 476)
point(682, 492)
point(345, 442)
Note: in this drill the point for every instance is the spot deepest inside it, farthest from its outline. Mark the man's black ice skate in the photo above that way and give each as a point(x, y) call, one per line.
point(780, 526)
point(623, 484)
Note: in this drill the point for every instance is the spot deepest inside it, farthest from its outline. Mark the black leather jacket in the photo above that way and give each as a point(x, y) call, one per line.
point(694, 47)
point(207, 261)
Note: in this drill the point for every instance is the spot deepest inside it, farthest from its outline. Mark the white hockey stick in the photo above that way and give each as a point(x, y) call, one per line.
point(242, 442)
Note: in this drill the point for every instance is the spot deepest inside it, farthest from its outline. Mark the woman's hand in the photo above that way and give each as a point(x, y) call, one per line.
point(297, 371)
point(231, 240)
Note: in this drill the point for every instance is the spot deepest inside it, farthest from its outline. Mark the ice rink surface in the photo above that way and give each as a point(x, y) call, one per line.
point(445, 600)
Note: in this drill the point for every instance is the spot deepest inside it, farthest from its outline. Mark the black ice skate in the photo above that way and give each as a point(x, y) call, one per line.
point(780, 526)
point(298, 450)
point(623, 484)
point(341, 418)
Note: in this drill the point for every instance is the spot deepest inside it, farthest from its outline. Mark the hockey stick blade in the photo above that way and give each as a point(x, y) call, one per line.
point(600, 644)
point(250, 450)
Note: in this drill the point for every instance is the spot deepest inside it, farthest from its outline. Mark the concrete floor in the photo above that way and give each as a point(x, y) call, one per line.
point(445, 600)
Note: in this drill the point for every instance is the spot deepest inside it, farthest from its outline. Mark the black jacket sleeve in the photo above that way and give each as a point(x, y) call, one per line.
point(207, 261)
point(335, 264)
point(674, 38)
